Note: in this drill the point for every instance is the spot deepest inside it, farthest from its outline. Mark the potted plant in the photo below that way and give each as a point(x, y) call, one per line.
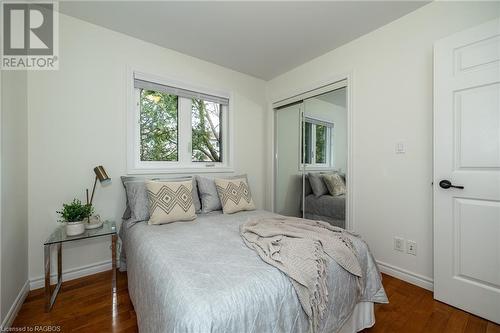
point(74, 215)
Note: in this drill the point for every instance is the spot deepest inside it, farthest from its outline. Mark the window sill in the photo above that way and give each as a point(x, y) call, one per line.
point(179, 170)
point(316, 168)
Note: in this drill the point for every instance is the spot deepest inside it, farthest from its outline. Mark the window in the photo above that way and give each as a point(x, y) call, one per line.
point(207, 137)
point(159, 126)
point(176, 129)
point(317, 143)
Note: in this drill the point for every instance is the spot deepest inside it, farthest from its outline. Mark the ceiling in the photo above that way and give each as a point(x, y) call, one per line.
point(262, 39)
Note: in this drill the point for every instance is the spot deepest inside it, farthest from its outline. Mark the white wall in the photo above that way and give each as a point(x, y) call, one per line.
point(14, 195)
point(77, 119)
point(392, 96)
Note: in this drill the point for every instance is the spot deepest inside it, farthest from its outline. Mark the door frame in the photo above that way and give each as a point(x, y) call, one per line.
point(295, 93)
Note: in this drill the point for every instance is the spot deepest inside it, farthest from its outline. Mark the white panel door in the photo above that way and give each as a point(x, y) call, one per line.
point(467, 154)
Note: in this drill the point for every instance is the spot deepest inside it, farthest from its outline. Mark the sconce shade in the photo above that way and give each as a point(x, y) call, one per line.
point(101, 174)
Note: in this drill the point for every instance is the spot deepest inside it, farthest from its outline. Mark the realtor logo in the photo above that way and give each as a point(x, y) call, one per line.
point(29, 32)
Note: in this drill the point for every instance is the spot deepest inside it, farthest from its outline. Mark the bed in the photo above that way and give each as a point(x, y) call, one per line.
point(200, 277)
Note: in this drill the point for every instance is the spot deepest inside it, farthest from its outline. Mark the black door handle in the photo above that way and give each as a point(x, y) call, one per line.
point(446, 184)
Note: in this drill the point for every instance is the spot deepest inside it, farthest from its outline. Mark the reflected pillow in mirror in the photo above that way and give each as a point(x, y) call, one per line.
point(317, 184)
point(335, 184)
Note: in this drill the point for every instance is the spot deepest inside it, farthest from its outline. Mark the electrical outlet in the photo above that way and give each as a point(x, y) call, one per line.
point(412, 248)
point(399, 244)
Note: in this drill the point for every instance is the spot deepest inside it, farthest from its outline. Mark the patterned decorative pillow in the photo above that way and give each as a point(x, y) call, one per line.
point(335, 184)
point(170, 201)
point(234, 195)
point(137, 202)
point(208, 193)
point(196, 197)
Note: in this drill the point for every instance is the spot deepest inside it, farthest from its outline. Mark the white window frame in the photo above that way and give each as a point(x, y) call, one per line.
point(329, 152)
point(184, 165)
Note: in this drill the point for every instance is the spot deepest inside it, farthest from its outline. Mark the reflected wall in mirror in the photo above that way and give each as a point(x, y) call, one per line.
point(324, 157)
point(288, 177)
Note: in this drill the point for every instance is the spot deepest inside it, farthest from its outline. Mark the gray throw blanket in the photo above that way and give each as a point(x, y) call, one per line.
point(300, 249)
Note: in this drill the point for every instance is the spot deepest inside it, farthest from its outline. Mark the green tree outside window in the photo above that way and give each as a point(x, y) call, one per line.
point(159, 128)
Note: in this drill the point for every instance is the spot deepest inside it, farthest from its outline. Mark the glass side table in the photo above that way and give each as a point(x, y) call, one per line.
point(57, 238)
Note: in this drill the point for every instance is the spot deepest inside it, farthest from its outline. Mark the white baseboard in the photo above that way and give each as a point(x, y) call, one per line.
point(73, 273)
point(407, 276)
point(16, 306)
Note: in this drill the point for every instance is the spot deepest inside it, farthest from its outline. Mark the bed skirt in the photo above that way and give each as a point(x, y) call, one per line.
point(362, 317)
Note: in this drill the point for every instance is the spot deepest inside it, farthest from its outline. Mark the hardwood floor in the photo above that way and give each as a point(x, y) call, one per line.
point(83, 305)
point(412, 309)
point(87, 305)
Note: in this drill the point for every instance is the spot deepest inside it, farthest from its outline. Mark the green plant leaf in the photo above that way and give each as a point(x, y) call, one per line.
point(75, 211)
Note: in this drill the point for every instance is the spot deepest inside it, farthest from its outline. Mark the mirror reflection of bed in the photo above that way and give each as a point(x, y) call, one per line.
point(311, 158)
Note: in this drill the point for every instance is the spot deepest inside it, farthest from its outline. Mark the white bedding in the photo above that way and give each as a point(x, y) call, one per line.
point(200, 277)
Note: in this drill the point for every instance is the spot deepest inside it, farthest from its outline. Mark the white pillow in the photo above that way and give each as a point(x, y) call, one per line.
point(170, 201)
point(234, 195)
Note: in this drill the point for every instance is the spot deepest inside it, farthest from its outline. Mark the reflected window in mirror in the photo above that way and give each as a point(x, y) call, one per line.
point(317, 144)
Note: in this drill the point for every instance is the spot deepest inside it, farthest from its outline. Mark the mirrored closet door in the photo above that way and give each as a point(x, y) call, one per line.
point(311, 157)
point(288, 170)
point(325, 157)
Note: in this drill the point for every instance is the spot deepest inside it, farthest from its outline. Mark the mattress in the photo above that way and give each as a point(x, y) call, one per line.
point(200, 277)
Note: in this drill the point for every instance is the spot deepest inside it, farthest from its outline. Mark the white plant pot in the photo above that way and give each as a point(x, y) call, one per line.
point(75, 228)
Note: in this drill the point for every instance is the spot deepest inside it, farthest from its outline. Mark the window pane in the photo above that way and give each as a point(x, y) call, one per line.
point(159, 126)
point(306, 144)
point(206, 121)
point(320, 144)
